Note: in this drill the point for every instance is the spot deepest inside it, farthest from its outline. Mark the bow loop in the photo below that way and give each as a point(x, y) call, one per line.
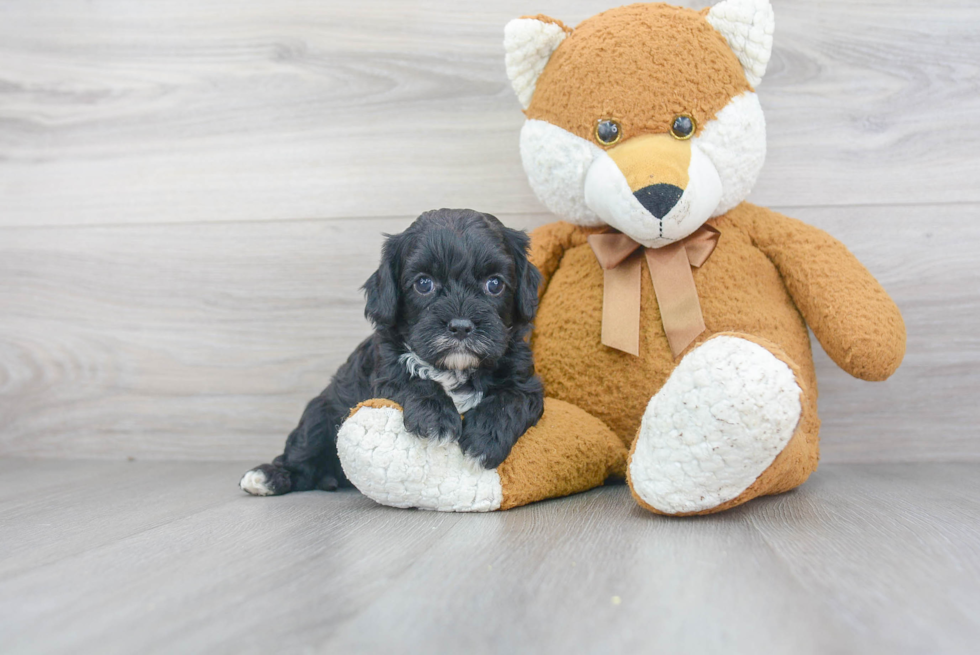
point(612, 249)
point(701, 244)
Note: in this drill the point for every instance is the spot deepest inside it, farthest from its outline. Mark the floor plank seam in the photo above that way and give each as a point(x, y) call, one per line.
point(392, 581)
point(96, 548)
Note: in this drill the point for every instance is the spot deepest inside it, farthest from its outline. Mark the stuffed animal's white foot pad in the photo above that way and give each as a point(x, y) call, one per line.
point(728, 409)
point(394, 467)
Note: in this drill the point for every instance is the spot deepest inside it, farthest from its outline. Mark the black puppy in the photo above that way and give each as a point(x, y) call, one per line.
point(452, 304)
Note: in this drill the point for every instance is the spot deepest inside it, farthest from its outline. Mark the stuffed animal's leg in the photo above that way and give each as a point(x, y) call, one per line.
point(734, 421)
point(566, 452)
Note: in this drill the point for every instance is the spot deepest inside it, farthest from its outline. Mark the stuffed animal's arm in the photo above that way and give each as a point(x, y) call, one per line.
point(852, 316)
point(548, 245)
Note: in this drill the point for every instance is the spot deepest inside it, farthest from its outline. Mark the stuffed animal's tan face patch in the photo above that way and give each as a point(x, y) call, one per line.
point(653, 159)
point(641, 65)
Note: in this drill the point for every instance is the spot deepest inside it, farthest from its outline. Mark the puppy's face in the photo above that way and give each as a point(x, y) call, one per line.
point(456, 287)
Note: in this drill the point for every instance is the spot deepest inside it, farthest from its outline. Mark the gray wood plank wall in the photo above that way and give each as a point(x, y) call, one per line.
point(191, 193)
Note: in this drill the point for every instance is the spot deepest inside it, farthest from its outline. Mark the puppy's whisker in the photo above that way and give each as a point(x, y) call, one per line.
point(443, 343)
point(480, 344)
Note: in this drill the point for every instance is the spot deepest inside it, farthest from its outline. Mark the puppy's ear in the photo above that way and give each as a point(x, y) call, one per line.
point(528, 277)
point(382, 288)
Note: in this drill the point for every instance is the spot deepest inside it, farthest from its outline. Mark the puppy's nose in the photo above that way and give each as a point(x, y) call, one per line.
point(460, 327)
point(659, 199)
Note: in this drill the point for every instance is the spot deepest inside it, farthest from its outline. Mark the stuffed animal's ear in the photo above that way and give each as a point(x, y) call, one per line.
point(382, 288)
point(528, 276)
point(529, 42)
point(747, 25)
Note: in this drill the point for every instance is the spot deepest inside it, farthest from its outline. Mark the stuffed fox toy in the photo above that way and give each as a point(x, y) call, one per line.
point(671, 333)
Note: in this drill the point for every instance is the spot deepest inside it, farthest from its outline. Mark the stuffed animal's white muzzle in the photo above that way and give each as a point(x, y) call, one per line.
point(653, 188)
point(713, 172)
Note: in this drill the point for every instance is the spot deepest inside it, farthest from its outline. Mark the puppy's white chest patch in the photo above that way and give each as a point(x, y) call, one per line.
point(454, 382)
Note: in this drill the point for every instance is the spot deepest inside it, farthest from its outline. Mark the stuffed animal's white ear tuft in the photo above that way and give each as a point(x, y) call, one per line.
point(529, 43)
point(747, 25)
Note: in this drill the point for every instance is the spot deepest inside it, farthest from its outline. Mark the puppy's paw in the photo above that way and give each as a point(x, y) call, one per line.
point(265, 480)
point(433, 418)
point(487, 438)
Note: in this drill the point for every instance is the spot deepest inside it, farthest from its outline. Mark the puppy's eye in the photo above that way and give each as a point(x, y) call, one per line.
point(424, 285)
point(608, 132)
point(683, 127)
point(495, 286)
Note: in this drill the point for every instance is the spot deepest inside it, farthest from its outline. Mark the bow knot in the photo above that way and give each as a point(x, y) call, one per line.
point(673, 284)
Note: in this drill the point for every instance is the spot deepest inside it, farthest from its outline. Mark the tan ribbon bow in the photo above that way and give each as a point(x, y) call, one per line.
point(673, 283)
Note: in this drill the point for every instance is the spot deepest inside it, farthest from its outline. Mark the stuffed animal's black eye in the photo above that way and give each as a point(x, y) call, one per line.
point(608, 132)
point(683, 127)
point(424, 285)
point(495, 285)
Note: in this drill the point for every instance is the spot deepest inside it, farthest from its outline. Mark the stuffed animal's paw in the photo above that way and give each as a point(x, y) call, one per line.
point(394, 467)
point(728, 409)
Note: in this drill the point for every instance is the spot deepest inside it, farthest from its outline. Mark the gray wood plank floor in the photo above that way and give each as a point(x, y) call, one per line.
point(166, 557)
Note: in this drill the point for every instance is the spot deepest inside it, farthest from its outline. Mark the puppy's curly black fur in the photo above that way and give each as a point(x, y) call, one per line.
point(452, 304)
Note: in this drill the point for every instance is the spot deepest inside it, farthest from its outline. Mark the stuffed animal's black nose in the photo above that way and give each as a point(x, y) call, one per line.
point(460, 327)
point(659, 199)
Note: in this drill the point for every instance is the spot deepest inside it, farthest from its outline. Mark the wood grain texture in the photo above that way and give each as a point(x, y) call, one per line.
point(155, 301)
point(205, 341)
point(249, 110)
point(863, 558)
point(191, 194)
